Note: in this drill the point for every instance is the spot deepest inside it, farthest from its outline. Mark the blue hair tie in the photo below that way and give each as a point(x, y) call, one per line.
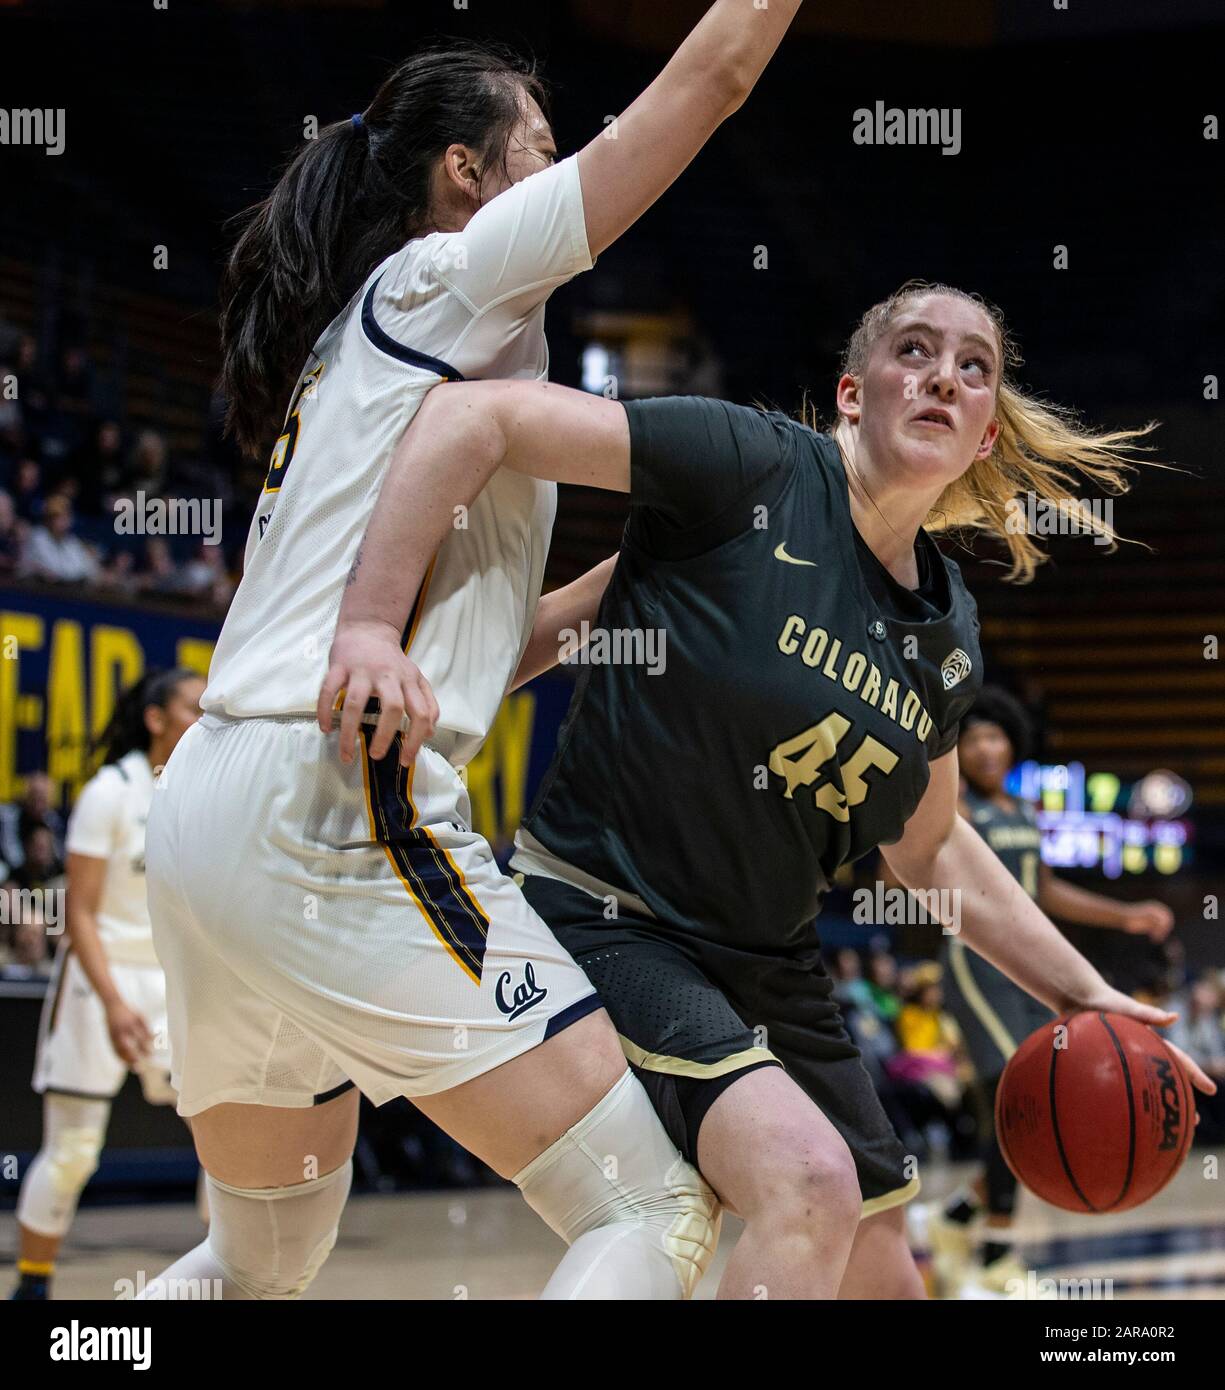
point(357, 121)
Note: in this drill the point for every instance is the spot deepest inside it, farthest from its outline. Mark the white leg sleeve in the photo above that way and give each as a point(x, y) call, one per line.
point(73, 1130)
point(640, 1221)
point(265, 1243)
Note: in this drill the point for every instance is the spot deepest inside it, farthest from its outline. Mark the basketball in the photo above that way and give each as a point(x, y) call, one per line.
point(1094, 1113)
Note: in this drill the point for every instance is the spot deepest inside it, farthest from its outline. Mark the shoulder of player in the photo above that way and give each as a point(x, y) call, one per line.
point(446, 256)
point(101, 797)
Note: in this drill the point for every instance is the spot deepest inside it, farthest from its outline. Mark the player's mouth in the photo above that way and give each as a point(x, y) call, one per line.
point(933, 416)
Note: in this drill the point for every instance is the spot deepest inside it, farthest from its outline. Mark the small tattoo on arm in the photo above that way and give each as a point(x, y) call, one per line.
point(357, 559)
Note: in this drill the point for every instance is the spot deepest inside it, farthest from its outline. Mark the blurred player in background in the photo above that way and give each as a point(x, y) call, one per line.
point(994, 1014)
point(105, 1011)
point(363, 932)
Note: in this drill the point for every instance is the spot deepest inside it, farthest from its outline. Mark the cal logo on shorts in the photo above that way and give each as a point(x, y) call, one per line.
point(525, 996)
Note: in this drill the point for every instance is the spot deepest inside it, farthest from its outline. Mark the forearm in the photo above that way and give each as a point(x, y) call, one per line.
point(631, 163)
point(1073, 904)
point(732, 43)
point(1001, 922)
point(443, 460)
point(562, 611)
point(459, 438)
point(87, 947)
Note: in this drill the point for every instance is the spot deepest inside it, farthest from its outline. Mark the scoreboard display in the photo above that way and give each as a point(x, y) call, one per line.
point(1098, 821)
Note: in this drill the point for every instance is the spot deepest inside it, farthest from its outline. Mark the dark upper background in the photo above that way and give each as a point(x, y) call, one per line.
point(1081, 128)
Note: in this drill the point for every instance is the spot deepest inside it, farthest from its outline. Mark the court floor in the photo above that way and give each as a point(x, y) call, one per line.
point(486, 1243)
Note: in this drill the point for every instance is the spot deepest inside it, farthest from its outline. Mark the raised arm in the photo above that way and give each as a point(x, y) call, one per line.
point(460, 436)
point(637, 158)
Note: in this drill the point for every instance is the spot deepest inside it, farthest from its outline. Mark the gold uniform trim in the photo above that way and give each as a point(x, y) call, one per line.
point(681, 1066)
point(888, 1200)
point(473, 974)
point(983, 1011)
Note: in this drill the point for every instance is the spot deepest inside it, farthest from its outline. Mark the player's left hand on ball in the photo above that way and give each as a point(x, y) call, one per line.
point(366, 659)
point(1150, 918)
point(1116, 1002)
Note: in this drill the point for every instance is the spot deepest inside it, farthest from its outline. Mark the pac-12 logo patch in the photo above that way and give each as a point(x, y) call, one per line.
point(955, 668)
point(525, 996)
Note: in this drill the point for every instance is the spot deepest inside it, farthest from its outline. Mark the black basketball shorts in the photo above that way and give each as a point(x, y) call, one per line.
point(694, 1017)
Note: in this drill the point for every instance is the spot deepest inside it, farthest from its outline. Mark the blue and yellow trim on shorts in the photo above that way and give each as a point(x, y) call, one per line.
point(430, 875)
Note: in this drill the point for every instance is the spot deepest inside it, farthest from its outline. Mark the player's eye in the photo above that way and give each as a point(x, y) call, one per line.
point(981, 363)
point(910, 345)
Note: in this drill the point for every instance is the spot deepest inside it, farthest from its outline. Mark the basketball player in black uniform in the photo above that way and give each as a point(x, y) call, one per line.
point(994, 1015)
point(781, 661)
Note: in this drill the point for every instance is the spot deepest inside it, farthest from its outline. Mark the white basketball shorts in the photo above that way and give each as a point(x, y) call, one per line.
point(322, 925)
point(75, 1056)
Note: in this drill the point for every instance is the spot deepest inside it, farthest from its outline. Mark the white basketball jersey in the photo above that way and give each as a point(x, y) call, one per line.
point(453, 304)
point(108, 822)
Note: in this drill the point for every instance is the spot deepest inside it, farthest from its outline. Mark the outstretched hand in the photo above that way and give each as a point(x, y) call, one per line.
point(1115, 1002)
point(366, 659)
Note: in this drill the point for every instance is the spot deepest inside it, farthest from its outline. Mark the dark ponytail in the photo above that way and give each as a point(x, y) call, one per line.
point(126, 730)
point(347, 201)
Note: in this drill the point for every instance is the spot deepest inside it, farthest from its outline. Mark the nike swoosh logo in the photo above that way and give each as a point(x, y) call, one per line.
point(780, 553)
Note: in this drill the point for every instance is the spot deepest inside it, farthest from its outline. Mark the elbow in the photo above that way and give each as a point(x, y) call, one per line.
point(733, 79)
point(723, 79)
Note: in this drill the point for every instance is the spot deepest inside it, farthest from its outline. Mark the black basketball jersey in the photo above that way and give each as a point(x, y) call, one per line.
point(1012, 834)
point(795, 699)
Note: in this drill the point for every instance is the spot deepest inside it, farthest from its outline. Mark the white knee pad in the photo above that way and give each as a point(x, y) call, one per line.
point(273, 1241)
point(72, 1141)
point(617, 1168)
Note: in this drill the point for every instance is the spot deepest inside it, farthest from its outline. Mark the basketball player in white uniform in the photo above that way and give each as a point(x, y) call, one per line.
point(325, 914)
point(105, 1011)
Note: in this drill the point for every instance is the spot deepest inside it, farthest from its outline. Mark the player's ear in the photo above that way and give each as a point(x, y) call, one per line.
point(847, 397)
point(990, 435)
point(155, 720)
point(461, 167)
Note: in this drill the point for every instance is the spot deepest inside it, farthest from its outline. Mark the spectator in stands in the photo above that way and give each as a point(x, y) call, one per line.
point(119, 573)
point(25, 956)
point(146, 471)
point(850, 988)
point(1200, 1032)
point(54, 553)
point(34, 391)
point(36, 807)
point(27, 489)
point(100, 470)
point(884, 999)
point(41, 865)
point(60, 434)
point(205, 576)
point(160, 574)
point(1198, 1029)
point(12, 538)
point(929, 1039)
